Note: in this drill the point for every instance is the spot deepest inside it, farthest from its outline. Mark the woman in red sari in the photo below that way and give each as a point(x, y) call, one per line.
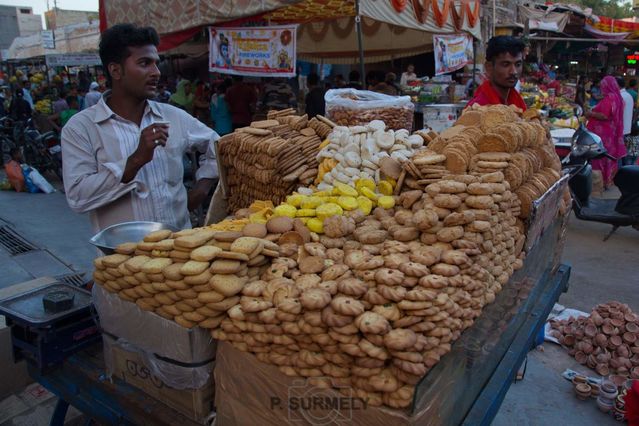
point(606, 120)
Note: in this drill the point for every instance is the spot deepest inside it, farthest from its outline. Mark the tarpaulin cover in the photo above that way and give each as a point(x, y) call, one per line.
point(544, 20)
point(609, 25)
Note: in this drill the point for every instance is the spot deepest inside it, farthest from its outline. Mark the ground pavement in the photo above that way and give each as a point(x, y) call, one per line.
point(601, 272)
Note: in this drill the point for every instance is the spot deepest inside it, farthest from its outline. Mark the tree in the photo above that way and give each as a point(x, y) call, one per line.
point(608, 8)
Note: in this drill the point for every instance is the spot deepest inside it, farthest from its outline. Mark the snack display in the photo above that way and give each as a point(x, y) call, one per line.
point(366, 284)
point(363, 152)
point(350, 107)
point(607, 340)
point(271, 158)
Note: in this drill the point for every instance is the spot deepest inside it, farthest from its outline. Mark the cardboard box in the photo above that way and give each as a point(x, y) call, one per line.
point(133, 368)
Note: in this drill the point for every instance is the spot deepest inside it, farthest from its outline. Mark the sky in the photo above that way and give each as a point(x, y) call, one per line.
point(40, 6)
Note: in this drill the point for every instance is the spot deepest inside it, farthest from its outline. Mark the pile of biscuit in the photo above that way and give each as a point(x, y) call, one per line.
point(271, 158)
point(191, 277)
point(490, 139)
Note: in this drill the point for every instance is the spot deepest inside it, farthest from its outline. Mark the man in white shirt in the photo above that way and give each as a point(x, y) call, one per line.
point(122, 159)
point(628, 107)
point(93, 96)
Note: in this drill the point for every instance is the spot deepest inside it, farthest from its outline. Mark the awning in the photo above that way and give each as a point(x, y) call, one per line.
point(604, 35)
point(544, 20)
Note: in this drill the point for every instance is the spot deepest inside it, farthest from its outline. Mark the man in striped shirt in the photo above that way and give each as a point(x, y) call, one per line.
point(122, 158)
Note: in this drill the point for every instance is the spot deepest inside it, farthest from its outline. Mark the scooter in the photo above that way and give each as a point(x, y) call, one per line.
point(587, 146)
point(42, 151)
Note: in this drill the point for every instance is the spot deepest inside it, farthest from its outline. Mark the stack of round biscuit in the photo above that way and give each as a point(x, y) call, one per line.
point(269, 159)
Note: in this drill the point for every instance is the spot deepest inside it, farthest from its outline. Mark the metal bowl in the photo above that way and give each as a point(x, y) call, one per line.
point(109, 238)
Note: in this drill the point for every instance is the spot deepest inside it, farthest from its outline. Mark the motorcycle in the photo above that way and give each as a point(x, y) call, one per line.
point(42, 151)
point(587, 146)
point(6, 141)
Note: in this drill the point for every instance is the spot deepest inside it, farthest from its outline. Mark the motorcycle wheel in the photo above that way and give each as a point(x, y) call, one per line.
point(5, 147)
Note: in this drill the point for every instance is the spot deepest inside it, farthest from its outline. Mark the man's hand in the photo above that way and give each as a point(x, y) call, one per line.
point(151, 137)
point(197, 195)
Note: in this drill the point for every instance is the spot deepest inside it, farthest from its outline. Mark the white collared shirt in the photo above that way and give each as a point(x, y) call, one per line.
point(96, 144)
point(628, 108)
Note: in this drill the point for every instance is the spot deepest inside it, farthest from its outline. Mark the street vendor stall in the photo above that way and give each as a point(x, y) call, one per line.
point(356, 261)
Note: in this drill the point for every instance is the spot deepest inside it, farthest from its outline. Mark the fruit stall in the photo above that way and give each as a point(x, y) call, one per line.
point(407, 274)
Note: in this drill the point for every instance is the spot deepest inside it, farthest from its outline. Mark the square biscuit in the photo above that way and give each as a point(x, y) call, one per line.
point(205, 253)
point(194, 267)
point(225, 266)
point(156, 236)
point(155, 266)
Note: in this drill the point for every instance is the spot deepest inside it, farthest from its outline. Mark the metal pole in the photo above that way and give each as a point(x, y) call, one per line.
point(494, 16)
point(360, 45)
point(588, 40)
point(474, 64)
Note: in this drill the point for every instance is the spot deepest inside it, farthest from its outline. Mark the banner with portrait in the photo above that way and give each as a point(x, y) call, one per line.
point(253, 51)
point(452, 52)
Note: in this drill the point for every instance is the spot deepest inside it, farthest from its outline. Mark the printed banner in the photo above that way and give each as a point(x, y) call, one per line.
point(452, 52)
point(254, 51)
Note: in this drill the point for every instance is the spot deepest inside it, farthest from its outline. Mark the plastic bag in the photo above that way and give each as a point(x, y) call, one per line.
point(39, 181)
point(350, 107)
point(15, 176)
point(26, 172)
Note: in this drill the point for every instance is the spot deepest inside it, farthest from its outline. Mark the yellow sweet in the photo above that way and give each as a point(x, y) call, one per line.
point(257, 218)
point(324, 143)
point(343, 189)
point(306, 213)
point(386, 202)
point(365, 204)
point(305, 219)
point(365, 183)
point(327, 210)
point(285, 210)
point(295, 200)
point(347, 203)
point(392, 181)
point(385, 188)
point(315, 225)
point(311, 202)
point(368, 193)
point(321, 194)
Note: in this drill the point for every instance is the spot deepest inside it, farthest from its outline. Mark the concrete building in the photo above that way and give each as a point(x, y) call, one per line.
point(57, 18)
point(17, 21)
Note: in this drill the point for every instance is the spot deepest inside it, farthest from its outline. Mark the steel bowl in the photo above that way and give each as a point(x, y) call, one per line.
point(109, 238)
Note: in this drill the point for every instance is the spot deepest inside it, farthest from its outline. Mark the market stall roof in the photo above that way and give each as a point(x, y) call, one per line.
point(77, 38)
point(182, 20)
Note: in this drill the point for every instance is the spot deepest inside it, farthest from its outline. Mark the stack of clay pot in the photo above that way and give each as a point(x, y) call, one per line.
point(271, 158)
point(606, 340)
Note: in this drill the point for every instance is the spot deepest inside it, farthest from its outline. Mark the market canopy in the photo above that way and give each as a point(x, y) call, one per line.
point(180, 20)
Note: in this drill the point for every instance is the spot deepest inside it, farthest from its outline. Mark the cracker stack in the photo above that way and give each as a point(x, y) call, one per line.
point(271, 158)
point(191, 277)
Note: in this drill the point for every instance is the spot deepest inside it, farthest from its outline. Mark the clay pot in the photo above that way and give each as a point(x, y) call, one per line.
point(615, 363)
point(631, 327)
point(634, 373)
point(601, 340)
point(603, 357)
point(579, 334)
point(590, 330)
point(629, 338)
point(586, 348)
point(594, 389)
point(604, 405)
point(581, 357)
point(608, 389)
point(572, 351)
point(583, 391)
point(578, 379)
point(613, 311)
point(623, 371)
point(607, 329)
point(615, 341)
point(634, 360)
point(635, 349)
point(623, 351)
point(617, 317)
point(602, 369)
point(569, 340)
point(617, 380)
point(596, 318)
point(591, 362)
point(630, 317)
point(617, 322)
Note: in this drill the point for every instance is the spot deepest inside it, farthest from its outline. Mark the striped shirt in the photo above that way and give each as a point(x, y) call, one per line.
point(96, 144)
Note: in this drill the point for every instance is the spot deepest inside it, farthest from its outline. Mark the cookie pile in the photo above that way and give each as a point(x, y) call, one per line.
point(271, 158)
point(607, 340)
point(191, 277)
point(359, 151)
point(491, 139)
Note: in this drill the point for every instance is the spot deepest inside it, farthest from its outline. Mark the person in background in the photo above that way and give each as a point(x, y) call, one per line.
point(278, 95)
point(354, 80)
point(183, 97)
point(163, 94)
point(338, 81)
point(13, 170)
point(93, 96)
point(580, 92)
point(59, 120)
point(61, 103)
point(632, 89)
point(595, 92)
point(390, 82)
point(201, 102)
point(628, 115)
point(3, 99)
point(408, 75)
point(315, 103)
point(83, 82)
point(220, 113)
point(241, 99)
point(26, 92)
point(122, 158)
point(504, 64)
point(19, 110)
point(606, 120)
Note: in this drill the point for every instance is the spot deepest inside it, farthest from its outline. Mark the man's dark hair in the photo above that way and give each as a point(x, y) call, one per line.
point(115, 43)
point(632, 83)
point(621, 82)
point(353, 76)
point(312, 79)
point(504, 44)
